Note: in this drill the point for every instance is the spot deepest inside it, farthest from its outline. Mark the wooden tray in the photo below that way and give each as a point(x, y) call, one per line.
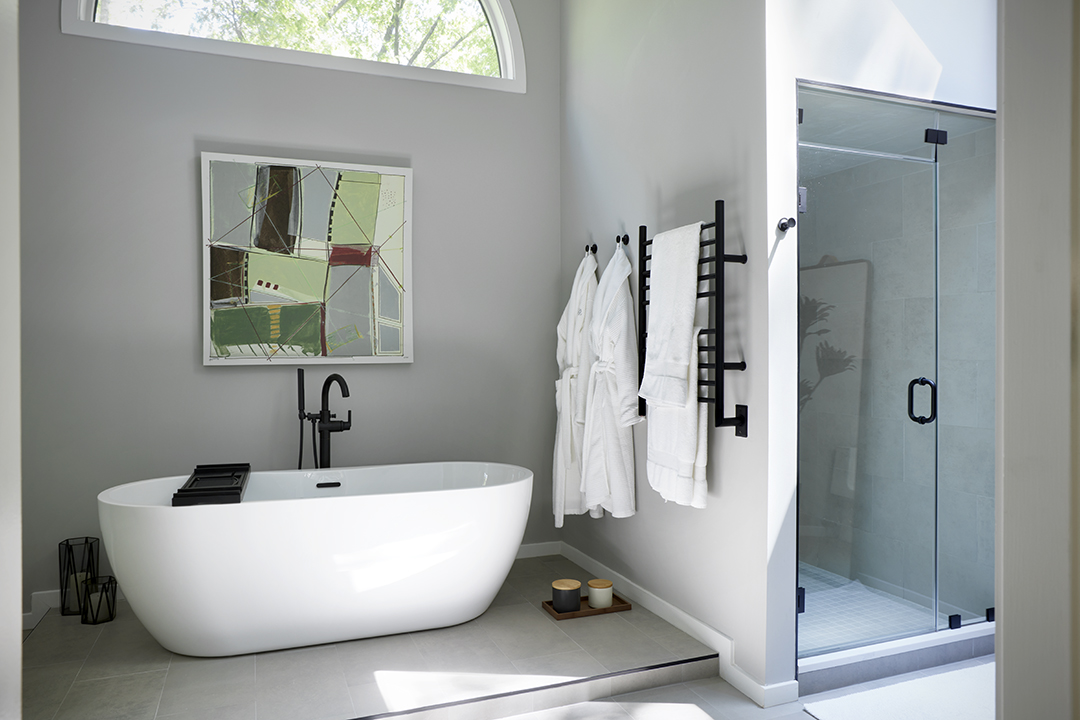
point(617, 605)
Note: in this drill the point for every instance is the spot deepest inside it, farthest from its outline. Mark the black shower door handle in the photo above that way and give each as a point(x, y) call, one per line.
point(922, 420)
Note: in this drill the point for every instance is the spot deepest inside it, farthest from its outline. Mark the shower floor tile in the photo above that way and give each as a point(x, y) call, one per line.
point(844, 613)
point(515, 651)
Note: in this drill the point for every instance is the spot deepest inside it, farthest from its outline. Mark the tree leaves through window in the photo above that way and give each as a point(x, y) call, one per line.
point(441, 34)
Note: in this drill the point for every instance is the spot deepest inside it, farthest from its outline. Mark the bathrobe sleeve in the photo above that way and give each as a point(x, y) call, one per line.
point(626, 362)
point(561, 331)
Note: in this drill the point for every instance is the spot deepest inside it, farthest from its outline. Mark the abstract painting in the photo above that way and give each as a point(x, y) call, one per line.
point(305, 262)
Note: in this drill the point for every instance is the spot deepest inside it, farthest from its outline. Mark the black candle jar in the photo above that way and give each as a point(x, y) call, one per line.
point(566, 596)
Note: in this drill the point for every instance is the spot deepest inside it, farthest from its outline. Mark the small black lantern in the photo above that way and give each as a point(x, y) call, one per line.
point(78, 563)
point(99, 600)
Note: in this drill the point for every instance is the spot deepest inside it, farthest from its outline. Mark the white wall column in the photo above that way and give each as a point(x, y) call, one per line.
point(1034, 591)
point(10, 426)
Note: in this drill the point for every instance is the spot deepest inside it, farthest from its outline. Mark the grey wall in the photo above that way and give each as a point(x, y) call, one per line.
point(10, 485)
point(664, 108)
point(111, 267)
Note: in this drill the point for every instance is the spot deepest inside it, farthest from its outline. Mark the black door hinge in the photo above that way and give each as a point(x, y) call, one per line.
point(937, 137)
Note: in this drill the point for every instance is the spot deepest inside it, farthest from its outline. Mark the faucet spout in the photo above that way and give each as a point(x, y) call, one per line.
point(327, 424)
point(330, 380)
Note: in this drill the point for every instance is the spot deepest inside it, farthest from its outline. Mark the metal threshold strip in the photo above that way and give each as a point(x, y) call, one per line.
point(867, 153)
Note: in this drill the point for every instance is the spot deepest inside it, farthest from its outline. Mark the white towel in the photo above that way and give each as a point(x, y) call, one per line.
point(672, 304)
point(678, 441)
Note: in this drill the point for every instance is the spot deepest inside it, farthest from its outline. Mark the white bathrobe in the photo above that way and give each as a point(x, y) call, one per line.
point(575, 357)
point(607, 471)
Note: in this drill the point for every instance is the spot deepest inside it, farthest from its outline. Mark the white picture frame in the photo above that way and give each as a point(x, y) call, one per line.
point(305, 262)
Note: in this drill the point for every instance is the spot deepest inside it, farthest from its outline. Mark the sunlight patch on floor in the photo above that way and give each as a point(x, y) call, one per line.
point(403, 690)
point(598, 710)
point(665, 711)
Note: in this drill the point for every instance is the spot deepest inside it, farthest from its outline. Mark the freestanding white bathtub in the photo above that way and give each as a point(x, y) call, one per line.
point(395, 548)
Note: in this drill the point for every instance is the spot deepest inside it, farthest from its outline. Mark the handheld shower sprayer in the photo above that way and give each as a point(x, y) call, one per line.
point(322, 422)
point(303, 417)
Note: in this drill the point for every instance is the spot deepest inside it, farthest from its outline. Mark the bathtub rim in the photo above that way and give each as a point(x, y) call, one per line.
point(108, 495)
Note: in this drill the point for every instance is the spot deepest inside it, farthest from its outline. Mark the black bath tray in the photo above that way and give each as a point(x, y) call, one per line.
point(214, 485)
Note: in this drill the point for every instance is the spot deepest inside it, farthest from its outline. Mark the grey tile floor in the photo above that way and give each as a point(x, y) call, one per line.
point(118, 671)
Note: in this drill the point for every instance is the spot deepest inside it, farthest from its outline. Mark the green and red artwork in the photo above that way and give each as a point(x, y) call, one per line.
point(306, 262)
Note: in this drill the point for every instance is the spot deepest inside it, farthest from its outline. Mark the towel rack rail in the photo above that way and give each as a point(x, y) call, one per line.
point(716, 321)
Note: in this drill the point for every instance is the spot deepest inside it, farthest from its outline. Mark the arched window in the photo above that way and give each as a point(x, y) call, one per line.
point(473, 42)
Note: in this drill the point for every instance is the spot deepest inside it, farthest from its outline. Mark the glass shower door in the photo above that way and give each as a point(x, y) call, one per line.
point(868, 353)
point(967, 368)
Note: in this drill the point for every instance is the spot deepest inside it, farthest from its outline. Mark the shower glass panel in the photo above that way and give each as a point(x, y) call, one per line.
point(896, 370)
point(851, 122)
point(966, 366)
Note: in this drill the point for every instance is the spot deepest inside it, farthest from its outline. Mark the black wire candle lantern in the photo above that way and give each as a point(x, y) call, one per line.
point(99, 600)
point(78, 563)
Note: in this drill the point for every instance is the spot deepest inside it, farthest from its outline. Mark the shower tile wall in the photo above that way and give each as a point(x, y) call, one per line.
point(882, 211)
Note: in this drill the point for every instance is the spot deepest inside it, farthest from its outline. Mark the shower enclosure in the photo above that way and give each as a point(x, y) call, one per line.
point(896, 368)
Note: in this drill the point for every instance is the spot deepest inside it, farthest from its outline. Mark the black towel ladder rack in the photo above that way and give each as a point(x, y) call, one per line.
point(715, 277)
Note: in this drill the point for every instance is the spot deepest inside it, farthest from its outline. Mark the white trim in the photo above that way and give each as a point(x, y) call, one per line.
point(895, 647)
point(539, 549)
point(504, 27)
point(75, 19)
point(40, 602)
point(43, 600)
point(763, 695)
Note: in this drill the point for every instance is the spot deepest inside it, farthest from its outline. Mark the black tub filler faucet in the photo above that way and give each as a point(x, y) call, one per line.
point(324, 421)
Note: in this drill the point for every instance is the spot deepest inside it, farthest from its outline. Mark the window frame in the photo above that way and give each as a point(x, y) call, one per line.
point(76, 18)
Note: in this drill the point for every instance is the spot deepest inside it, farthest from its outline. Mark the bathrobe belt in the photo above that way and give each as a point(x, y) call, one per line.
point(602, 371)
point(568, 407)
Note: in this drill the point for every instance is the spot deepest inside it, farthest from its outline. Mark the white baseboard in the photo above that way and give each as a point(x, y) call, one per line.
point(895, 647)
point(40, 602)
point(763, 695)
point(540, 549)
